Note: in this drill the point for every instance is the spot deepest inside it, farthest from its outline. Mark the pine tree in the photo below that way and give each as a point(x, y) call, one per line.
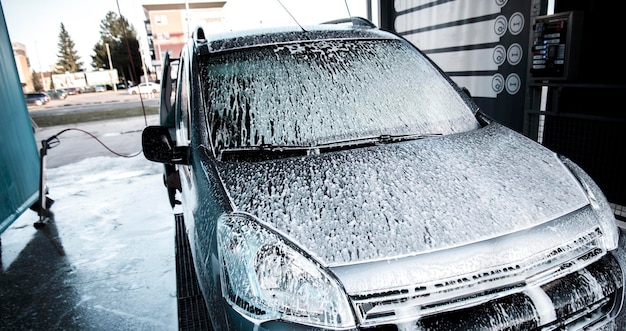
point(69, 61)
point(37, 84)
point(121, 37)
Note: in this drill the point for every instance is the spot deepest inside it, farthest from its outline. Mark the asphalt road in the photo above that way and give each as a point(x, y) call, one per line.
point(93, 102)
point(100, 138)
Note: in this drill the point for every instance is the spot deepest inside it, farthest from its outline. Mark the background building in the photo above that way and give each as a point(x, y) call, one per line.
point(25, 71)
point(170, 23)
point(23, 66)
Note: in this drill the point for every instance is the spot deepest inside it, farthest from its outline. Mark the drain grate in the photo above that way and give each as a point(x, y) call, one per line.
point(192, 312)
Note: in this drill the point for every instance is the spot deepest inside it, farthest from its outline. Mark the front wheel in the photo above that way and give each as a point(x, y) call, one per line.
point(38, 103)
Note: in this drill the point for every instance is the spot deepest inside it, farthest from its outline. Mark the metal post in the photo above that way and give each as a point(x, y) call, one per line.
point(187, 18)
point(43, 82)
point(143, 61)
point(43, 205)
point(110, 67)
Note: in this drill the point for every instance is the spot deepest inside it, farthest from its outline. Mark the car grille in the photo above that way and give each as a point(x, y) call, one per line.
point(577, 283)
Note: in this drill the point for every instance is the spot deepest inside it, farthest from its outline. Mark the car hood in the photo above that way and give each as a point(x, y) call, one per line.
point(403, 199)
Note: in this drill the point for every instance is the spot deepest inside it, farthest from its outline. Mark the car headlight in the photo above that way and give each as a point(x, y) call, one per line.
point(264, 277)
point(598, 202)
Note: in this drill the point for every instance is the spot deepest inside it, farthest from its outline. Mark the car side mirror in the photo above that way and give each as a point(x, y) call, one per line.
point(158, 146)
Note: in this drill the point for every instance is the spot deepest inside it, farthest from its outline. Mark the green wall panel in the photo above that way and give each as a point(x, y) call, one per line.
point(19, 157)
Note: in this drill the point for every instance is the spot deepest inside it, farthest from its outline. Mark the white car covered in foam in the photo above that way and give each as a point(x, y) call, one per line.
point(332, 177)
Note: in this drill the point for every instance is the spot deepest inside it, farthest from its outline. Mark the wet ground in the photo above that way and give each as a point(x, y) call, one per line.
point(106, 261)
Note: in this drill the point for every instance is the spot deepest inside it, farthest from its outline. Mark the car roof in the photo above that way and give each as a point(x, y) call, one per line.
point(228, 41)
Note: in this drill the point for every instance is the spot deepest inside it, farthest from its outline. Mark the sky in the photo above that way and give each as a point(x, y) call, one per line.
point(37, 23)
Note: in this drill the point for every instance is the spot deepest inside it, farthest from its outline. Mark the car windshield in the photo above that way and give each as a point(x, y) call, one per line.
point(321, 92)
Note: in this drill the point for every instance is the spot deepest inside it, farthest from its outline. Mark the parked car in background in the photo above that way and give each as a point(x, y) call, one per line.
point(337, 179)
point(100, 88)
point(72, 90)
point(58, 94)
point(37, 98)
point(88, 89)
point(145, 88)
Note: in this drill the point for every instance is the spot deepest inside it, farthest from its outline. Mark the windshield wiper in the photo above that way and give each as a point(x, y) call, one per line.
point(386, 138)
point(269, 151)
point(376, 140)
point(269, 148)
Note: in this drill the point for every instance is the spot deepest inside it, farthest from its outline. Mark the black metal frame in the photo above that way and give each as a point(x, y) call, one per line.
point(594, 142)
